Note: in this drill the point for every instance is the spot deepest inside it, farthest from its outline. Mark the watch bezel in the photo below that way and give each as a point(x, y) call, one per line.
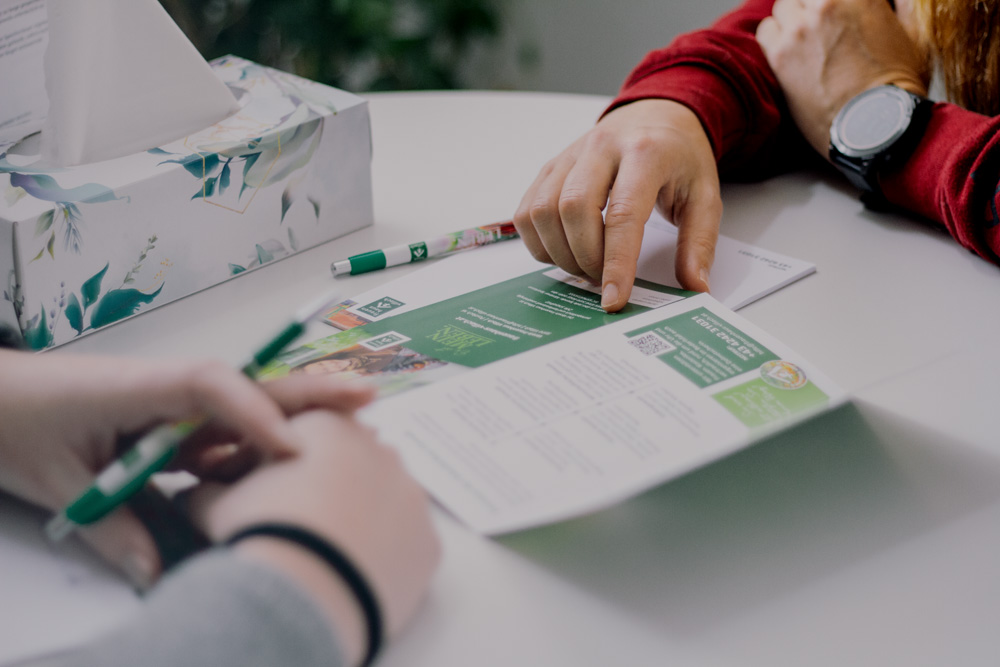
point(862, 165)
point(904, 101)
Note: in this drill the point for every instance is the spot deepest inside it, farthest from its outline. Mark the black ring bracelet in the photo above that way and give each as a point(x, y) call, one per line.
point(340, 563)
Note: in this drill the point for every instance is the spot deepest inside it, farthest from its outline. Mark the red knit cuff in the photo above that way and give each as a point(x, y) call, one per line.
point(951, 177)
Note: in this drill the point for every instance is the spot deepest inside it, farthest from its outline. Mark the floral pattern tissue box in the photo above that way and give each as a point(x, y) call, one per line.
point(84, 247)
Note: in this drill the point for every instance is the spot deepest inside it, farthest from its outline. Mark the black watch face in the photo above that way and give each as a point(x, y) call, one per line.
point(873, 122)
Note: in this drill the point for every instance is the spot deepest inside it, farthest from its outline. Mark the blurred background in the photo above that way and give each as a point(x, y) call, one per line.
point(582, 46)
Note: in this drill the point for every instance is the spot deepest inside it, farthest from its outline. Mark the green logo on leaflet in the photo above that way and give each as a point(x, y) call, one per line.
point(458, 340)
point(377, 309)
point(783, 374)
point(418, 251)
point(780, 391)
point(385, 340)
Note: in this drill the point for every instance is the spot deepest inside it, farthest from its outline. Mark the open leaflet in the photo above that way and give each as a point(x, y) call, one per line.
point(522, 402)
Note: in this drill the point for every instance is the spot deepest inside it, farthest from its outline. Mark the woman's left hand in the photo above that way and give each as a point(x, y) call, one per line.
point(824, 52)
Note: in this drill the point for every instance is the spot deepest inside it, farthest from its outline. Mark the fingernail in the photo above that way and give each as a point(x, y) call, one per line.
point(140, 571)
point(703, 274)
point(609, 295)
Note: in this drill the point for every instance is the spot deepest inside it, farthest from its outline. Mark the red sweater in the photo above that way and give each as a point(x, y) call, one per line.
point(721, 73)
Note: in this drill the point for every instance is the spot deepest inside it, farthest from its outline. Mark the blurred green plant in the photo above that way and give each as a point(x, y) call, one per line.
point(352, 44)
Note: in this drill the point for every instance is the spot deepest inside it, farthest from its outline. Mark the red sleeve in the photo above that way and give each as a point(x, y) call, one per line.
point(721, 74)
point(953, 177)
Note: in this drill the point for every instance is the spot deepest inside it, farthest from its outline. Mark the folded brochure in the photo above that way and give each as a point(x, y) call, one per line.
point(523, 402)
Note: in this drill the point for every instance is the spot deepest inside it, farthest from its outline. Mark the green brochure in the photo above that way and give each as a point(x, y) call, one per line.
point(526, 403)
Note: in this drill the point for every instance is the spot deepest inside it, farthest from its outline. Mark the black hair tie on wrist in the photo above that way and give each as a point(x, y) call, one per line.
point(340, 564)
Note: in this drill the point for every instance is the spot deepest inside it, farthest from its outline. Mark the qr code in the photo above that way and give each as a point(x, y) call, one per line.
point(651, 343)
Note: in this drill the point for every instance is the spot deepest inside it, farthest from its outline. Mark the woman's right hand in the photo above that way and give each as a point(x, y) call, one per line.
point(352, 491)
point(647, 153)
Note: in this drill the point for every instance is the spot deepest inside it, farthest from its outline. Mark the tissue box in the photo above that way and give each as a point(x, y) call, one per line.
point(84, 247)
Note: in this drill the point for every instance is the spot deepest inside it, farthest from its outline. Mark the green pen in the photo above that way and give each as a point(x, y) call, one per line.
point(129, 473)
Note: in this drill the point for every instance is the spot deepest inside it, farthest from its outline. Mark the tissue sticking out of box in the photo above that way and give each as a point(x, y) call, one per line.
point(122, 78)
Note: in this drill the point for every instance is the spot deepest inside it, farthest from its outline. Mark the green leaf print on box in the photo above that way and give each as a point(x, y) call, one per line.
point(263, 253)
point(103, 307)
point(64, 219)
point(275, 157)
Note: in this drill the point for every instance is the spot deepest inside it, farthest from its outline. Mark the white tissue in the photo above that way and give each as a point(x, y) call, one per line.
point(122, 78)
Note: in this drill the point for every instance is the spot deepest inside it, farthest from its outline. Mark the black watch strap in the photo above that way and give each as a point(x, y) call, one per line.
point(863, 165)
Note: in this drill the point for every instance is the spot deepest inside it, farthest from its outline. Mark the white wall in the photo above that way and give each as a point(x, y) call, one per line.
point(584, 46)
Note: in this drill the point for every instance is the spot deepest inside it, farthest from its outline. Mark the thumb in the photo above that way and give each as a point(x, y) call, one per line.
point(123, 541)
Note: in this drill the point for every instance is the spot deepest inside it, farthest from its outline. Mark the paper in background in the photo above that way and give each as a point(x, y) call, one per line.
point(24, 34)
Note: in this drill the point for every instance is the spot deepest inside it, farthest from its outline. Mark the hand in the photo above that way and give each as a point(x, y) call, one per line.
point(824, 52)
point(62, 416)
point(649, 152)
point(354, 492)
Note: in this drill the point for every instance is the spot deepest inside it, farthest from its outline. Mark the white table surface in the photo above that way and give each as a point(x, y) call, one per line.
point(870, 536)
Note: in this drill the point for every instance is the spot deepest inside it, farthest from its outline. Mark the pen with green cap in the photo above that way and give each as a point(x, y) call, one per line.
point(128, 474)
point(465, 239)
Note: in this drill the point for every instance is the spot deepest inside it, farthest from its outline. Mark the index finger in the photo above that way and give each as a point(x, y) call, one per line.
point(207, 390)
point(630, 204)
point(299, 393)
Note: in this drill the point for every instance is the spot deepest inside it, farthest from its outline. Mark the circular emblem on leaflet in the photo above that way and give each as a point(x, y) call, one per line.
point(783, 374)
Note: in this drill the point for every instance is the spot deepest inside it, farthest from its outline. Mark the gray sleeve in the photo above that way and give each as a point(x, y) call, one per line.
point(218, 609)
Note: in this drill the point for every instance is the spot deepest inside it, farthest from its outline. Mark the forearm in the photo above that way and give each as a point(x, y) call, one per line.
point(219, 609)
point(953, 178)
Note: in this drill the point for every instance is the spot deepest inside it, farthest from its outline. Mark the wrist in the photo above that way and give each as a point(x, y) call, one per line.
point(315, 578)
point(910, 84)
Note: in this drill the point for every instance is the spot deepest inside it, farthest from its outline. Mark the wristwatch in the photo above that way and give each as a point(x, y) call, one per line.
point(875, 130)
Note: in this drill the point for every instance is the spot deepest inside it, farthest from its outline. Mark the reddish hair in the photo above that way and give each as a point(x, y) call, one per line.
point(964, 36)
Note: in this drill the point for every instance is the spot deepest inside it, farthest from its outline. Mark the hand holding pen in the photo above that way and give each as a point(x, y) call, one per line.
point(61, 417)
point(71, 411)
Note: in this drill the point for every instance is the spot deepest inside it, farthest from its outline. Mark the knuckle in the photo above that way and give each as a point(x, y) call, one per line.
point(539, 255)
point(622, 210)
point(698, 245)
point(801, 32)
point(573, 204)
point(825, 7)
point(707, 197)
point(643, 143)
point(597, 138)
point(591, 263)
point(543, 212)
point(521, 218)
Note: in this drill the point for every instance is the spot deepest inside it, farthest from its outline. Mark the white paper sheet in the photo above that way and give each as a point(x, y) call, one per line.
point(742, 272)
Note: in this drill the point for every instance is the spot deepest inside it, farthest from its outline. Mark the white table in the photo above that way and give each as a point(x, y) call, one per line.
point(869, 536)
